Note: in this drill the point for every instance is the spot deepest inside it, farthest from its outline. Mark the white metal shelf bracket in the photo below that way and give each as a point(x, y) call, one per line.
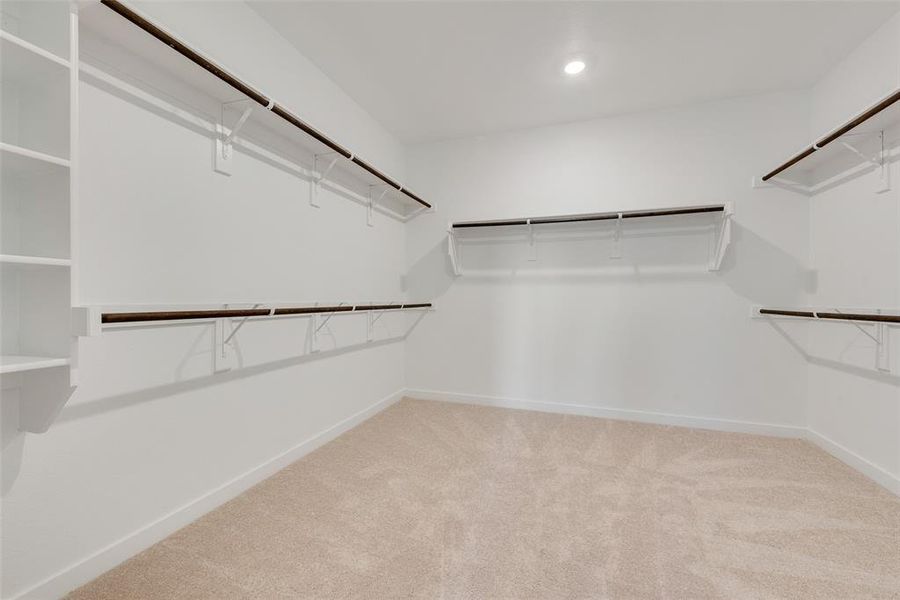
point(452, 250)
point(225, 137)
point(532, 248)
point(882, 339)
point(373, 318)
point(879, 161)
point(882, 348)
point(221, 358)
point(316, 325)
point(319, 176)
point(235, 329)
point(616, 251)
point(370, 208)
point(722, 239)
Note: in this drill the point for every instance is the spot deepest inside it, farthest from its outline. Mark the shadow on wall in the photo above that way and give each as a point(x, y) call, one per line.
point(850, 351)
point(14, 441)
point(764, 273)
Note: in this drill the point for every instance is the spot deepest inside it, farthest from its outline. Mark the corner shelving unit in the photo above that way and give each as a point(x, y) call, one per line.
point(38, 145)
point(720, 226)
point(863, 139)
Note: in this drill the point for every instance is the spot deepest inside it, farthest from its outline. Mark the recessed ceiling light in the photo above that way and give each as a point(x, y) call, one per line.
point(574, 68)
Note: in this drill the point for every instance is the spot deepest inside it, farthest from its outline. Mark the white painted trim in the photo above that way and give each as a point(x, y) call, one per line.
point(872, 471)
point(124, 548)
point(98, 563)
point(869, 469)
point(788, 431)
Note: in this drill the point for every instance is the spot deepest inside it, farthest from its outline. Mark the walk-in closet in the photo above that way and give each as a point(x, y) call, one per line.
point(519, 300)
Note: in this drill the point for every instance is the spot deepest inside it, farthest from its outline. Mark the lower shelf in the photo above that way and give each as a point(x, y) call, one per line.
point(39, 261)
point(16, 363)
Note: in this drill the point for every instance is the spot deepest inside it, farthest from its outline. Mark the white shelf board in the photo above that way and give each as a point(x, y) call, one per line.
point(16, 363)
point(834, 156)
point(261, 126)
point(16, 159)
point(24, 58)
point(39, 261)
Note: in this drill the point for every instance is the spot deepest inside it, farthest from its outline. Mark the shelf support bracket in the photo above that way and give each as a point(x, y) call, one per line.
point(373, 318)
point(532, 248)
point(617, 239)
point(316, 325)
point(319, 176)
point(881, 337)
point(879, 161)
point(723, 239)
point(882, 348)
point(452, 250)
point(235, 329)
point(370, 208)
point(223, 347)
point(225, 137)
point(221, 358)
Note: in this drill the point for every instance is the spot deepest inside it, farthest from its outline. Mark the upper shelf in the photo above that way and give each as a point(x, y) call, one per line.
point(217, 82)
point(17, 363)
point(713, 217)
point(883, 115)
point(15, 159)
point(33, 261)
point(604, 216)
point(23, 59)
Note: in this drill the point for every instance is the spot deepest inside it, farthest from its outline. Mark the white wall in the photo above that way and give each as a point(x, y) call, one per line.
point(855, 249)
point(652, 335)
point(150, 430)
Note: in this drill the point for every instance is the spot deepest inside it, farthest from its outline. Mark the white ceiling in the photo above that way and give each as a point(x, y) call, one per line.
point(435, 70)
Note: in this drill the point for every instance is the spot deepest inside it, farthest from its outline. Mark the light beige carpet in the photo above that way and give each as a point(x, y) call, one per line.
point(436, 500)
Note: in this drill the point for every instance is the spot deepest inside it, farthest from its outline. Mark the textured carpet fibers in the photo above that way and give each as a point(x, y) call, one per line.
point(438, 500)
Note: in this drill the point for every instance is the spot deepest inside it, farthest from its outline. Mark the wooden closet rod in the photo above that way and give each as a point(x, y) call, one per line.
point(252, 93)
point(832, 315)
point(185, 315)
point(633, 214)
point(843, 129)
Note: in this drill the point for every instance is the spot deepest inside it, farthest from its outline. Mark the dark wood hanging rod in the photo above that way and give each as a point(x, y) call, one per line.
point(842, 130)
point(606, 216)
point(186, 315)
point(838, 316)
point(252, 93)
point(179, 315)
point(309, 310)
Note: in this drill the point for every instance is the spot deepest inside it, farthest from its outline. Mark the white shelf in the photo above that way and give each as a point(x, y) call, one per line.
point(39, 99)
point(16, 363)
point(116, 50)
point(22, 160)
point(39, 261)
point(828, 154)
point(43, 23)
point(24, 58)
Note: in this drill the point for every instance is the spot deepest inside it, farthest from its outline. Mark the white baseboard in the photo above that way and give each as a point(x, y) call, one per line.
point(98, 563)
point(621, 414)
point(105, 559)
point(842, 453)
point(869, 469)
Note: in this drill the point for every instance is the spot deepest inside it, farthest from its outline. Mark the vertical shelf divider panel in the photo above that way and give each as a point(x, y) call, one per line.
point(38, 195)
